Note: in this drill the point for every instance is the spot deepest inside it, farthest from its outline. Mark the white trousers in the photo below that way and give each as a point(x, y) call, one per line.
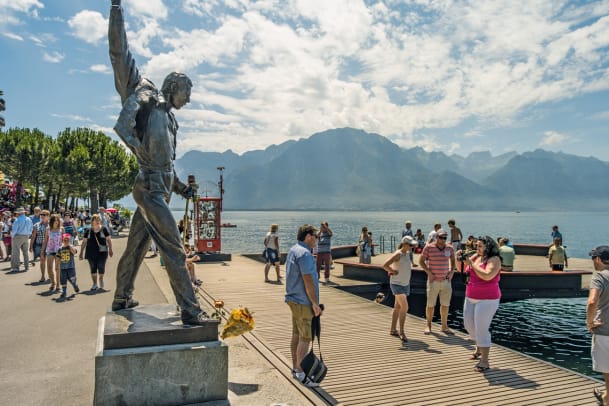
point(477, 317)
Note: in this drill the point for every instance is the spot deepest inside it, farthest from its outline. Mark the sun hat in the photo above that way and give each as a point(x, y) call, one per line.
point(442, 232)
point(409, 240)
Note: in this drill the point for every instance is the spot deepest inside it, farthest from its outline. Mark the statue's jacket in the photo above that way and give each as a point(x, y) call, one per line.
point(145, 124)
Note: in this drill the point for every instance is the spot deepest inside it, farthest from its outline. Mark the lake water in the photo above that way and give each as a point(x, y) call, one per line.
point(550, 329)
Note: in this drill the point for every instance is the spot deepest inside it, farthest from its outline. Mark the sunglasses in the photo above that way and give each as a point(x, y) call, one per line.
point(442, 238)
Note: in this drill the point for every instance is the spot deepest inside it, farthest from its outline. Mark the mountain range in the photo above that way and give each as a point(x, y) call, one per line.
point(349, 169)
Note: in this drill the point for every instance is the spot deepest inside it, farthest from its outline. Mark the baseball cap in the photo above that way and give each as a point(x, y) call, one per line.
point(63, 237)
point(601, 251)
point(409, 240)
point(442, 232)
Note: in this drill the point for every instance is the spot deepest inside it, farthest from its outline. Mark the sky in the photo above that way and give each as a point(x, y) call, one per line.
point(444, 75)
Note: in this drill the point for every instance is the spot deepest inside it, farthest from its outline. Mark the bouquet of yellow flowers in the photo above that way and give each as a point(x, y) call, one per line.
point(240, 322)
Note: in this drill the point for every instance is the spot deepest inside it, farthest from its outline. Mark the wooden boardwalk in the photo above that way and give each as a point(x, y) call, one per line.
point(367, 366)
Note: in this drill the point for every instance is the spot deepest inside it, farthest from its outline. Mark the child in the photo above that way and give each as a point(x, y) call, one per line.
point(50, 246)
point(191, 258)
point(66, 265)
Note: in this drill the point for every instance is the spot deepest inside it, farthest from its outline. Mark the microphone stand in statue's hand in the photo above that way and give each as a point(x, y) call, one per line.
point(189, 193)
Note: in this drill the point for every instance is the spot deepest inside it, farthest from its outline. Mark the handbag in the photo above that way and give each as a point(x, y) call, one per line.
point(314, 367)
point(102, 248)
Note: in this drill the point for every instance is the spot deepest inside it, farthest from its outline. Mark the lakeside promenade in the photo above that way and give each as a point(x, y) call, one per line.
point(47, 348)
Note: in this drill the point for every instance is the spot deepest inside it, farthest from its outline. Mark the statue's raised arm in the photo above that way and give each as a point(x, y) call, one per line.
point(126, 74)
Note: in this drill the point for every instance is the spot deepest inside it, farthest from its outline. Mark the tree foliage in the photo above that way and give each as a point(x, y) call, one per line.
point(79, 163)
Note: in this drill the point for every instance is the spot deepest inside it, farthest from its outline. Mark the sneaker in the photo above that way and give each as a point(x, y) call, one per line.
point(305, 380)
point(199, 320)
point(62, 296)
point(327, 280)
point(94, 287)
point(125, 303)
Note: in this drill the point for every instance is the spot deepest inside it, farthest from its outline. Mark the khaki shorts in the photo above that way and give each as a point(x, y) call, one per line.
point(443, 289)
point(302, 315)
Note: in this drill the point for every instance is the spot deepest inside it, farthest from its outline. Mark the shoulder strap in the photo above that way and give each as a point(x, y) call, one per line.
point(315, 332)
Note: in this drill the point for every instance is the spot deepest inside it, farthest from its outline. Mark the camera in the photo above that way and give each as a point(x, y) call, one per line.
point(465, 254)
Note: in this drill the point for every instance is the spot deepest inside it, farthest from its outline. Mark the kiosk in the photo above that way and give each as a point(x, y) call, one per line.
point(207, 219)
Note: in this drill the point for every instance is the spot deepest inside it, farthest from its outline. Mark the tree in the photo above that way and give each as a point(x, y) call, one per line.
point(103, 167)
point(25, 154)
point(119, 173)
point(78, 163)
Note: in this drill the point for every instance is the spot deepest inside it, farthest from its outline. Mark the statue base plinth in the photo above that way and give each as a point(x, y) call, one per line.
point(146, 356)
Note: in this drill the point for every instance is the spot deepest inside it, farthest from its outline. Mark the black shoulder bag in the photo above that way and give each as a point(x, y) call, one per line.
point(314, 367)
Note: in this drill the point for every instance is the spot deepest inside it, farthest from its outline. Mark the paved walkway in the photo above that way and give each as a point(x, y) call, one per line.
point(47, 348)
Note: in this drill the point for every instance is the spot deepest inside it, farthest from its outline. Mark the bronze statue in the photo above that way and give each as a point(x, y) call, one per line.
point(148, 128)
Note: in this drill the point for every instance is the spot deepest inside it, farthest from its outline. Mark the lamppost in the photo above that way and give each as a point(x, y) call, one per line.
point(2, 108)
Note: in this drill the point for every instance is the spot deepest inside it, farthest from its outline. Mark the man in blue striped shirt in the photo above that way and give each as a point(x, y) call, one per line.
point(20, 234)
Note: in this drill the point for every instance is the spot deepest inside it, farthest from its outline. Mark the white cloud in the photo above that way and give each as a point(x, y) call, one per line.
point(268, 71)
point(89, 26)
point(13, 36)
point(13, 11)
point(147, 8)
point(553, 139)
point(601, 115)
point(53, 57)
point(21, 6)
point(100, 68)
point(43, 39)
point(71, 117)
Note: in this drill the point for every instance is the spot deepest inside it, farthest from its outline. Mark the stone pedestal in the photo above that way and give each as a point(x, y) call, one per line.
point(146, 356)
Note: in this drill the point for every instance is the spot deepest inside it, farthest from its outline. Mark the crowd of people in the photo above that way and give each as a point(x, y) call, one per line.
point(483, 259)
point(11, 194)
point(52, 240)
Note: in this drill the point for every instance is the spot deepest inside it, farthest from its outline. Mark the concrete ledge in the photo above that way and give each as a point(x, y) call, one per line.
point(214, 257)
point(149, 325)
point(177, 374)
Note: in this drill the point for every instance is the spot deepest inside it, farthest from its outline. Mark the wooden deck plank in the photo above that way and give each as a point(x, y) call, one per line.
point(368, 366)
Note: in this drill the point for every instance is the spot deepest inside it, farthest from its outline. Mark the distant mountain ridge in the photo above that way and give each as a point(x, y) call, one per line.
point(349, 169)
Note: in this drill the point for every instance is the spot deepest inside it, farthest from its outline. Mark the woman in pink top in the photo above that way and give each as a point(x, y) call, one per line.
point(482, 296)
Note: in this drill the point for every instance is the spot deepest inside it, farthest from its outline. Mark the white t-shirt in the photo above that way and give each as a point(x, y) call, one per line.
point(271, 239)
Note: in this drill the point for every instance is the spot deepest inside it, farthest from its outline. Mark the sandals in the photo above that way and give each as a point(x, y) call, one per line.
point(402, 336)
point(480, 368)
point(598, 394)
point(475, 356)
